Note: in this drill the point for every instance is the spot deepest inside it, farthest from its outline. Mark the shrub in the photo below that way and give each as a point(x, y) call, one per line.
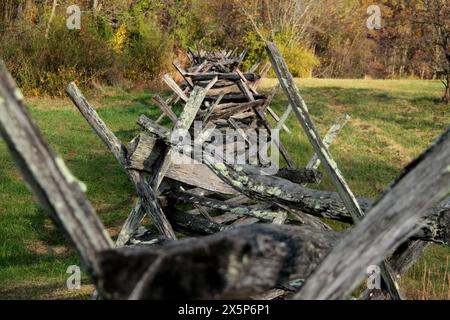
point(148, 49)
point(300, 60)
point(45, 66)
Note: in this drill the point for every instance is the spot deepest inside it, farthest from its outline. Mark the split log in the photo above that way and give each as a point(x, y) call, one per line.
point(183, 124)
point(227, 76)
point(175, 87)
point(300, 176)
point(165, 108)
point(262, 118)
point(260, 214)
point(233, 264)
point(182, 72)
point(281, 122)
point(314, 163)
point(234, 97)
point(54, 186)
point(392, 219)
point(224, 111)
point(185, 222)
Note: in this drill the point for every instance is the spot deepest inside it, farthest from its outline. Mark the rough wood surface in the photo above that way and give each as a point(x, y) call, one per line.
point(175, 87)
point(166, 109)
point(261, 214)
point(392, 219)
point(229, 76)
point(234, 264)
point(183, 124)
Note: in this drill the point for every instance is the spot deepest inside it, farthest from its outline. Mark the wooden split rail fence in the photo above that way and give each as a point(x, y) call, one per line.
point(248, 234)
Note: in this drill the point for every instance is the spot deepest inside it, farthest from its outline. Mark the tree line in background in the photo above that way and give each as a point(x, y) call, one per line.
point(134, 41)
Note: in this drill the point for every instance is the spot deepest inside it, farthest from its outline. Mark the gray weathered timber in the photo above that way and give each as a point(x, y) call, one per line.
point(226, 110)
point(330, 166)
point(392, 219)
point(262, 118)
point(55, 188)
point(301, 110)
point(332, 133)
point(183, 124)
point(254, 67)
point(114, 145)
point(262, 214)
point(213, 107)
point(192, 224)
point(265, 70)
point(404, 257)
point(237, 263)
point(228, 76)
point(281, 122)
point(148, 150)
point(182, 72)
point(175, 87)
point(149, 202)
point(300, 175)
point(277, 118)
point(270, 97)
point(165, 108)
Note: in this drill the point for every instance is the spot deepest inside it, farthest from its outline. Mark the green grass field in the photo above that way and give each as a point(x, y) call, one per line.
point(392, 122)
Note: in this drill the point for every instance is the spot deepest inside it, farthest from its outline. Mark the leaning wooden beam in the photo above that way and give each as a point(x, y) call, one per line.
point(314, 163)
point(254, 67)
point(265, 70)
point(404, 257)
point(175, 87)
point(182, 72)
point(262, 118)
point(212, 108)
point(54, 186)
point(281, 122)
point(301, 110)
point(242, 262)
point(392, 219)
point(183, 124)
point(165, 108)
point(149, 202)
point(270, 97)
point(330, 166)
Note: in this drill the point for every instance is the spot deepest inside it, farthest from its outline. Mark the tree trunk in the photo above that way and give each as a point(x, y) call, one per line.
point(447, 89)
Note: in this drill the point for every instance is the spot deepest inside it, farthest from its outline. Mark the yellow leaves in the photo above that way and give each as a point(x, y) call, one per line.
point(119, 38)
